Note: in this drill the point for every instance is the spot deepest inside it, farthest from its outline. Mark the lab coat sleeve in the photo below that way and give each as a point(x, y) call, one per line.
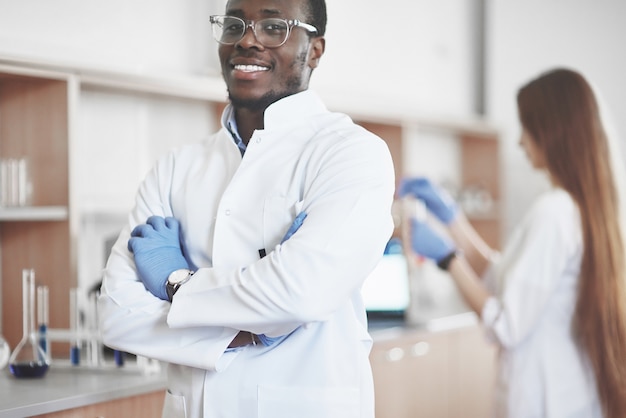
point(131, 318)
point(530, 269)
point(321, 267)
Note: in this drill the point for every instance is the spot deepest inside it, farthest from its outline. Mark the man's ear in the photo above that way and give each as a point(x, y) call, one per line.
point(318, 45)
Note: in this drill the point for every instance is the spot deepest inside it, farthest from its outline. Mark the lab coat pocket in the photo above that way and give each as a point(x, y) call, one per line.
point(308, 402)
point(174, 406)
point(279, 213)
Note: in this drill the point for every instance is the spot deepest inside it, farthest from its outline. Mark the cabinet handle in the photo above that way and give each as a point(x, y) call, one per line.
point(420, 349)
point(394, 354)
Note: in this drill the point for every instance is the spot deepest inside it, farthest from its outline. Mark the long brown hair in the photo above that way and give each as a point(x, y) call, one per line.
point(560, 112)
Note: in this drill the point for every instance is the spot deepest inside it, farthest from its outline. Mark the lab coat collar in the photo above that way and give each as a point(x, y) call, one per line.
point(294, 109)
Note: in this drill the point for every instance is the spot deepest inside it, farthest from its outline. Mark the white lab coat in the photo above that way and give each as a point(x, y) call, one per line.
point(307, 289)
point(542, 372)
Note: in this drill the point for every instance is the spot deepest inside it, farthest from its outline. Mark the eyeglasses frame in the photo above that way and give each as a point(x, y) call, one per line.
point(291, 23)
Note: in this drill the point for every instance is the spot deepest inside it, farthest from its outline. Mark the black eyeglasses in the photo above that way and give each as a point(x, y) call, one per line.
point(271, 33)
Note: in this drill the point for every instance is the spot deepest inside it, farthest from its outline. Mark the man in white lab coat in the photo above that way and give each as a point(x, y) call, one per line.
point(254, 321)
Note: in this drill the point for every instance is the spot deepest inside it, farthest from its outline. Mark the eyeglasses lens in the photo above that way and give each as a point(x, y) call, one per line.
point(269, 32)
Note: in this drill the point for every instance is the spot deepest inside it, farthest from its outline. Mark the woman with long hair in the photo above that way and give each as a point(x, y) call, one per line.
point(555, 299)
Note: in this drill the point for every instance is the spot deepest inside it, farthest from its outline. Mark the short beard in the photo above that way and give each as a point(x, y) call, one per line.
point(294, 85)
point(256, 105)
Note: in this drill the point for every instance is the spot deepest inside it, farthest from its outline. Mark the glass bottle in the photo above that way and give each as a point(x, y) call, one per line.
point(28, 360)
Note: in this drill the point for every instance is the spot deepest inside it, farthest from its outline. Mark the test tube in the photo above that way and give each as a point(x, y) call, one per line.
point(23, 182)
point(14, 183)
point(74, 328)
point(8, 175)
point(42, 318)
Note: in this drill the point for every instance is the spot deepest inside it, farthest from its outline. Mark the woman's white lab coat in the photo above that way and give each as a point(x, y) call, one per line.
point(542, 372)
point(307, 289)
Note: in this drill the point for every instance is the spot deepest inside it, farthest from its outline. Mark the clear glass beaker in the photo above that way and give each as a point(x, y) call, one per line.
point(28, 359)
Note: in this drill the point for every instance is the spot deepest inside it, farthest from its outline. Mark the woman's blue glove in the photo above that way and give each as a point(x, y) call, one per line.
point(428, 243)
point(437, 200)
point(157, 250)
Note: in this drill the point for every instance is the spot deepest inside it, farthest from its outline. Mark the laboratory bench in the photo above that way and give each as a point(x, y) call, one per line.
point(69, 392)
point(439, 365)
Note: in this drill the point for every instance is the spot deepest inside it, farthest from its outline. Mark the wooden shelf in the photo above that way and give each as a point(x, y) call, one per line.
point(34, 213)
point(35, 116)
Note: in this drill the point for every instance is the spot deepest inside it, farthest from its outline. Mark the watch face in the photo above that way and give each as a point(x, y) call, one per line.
point(178, 276)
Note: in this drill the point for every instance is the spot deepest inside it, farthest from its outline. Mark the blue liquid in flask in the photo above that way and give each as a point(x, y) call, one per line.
point(29, 370)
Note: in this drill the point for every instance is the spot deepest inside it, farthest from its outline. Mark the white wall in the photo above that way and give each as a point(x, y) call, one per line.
point(530, 36)
point(416, 55)
point(140, 36)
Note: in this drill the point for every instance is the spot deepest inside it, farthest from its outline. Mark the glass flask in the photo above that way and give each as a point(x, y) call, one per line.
point(28, 360)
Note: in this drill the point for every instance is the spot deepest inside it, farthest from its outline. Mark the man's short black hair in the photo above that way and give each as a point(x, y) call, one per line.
point(317, 15)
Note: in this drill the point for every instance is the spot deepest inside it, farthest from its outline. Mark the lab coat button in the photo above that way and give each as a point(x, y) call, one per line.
point(227, 212)
point(258, 140)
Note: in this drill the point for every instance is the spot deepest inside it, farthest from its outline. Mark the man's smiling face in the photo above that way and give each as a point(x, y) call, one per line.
point(257, 76)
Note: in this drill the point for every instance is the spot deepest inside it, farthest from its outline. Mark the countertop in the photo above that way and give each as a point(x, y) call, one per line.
point(67, 387)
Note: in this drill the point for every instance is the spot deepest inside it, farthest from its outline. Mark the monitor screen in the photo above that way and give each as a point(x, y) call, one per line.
point(386, 289)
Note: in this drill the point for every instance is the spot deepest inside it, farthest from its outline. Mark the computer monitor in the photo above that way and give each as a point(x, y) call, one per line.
point(386, 291)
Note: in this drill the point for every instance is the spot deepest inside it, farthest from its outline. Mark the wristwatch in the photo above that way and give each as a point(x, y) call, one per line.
point(175, 280)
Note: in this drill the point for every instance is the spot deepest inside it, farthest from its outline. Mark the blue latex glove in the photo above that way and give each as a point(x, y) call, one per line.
point(297, 223)
point(437, 200)
point(428, 243)
point(157, 250)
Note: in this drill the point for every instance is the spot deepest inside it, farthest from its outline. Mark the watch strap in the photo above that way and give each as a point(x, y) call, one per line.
point(172, 288)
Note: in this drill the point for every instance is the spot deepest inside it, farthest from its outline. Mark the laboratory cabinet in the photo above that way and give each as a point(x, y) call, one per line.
point(433, 374)
point(148, 405)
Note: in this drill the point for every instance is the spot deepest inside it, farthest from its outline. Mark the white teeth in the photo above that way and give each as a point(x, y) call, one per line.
point(250, 68)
